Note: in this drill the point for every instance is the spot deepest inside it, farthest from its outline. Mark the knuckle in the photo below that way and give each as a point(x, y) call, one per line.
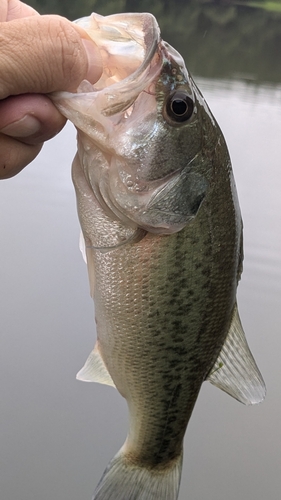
point(70, 56)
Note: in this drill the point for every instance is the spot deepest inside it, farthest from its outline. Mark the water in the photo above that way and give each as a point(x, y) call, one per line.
point(58, 434)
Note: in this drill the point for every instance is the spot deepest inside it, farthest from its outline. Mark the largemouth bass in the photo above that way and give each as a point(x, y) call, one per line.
point(162, 228)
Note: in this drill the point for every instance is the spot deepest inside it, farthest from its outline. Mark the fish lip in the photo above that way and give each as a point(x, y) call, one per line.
point(171, 53)
point(139, 79)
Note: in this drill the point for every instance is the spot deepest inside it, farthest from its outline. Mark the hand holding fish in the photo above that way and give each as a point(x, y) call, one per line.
point(39, 54)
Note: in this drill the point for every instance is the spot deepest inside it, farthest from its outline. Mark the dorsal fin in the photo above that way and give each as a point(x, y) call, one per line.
point(235, 370)
point(94, 370)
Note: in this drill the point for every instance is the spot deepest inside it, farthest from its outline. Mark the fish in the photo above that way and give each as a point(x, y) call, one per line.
point(162, 237)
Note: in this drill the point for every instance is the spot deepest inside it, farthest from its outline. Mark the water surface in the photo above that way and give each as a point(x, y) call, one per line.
point(58, 434)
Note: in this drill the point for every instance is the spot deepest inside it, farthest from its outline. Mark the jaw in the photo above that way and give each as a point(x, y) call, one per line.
point(129, 49)
point(120, 117)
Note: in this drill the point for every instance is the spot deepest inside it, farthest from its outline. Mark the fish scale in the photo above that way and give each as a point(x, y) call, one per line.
point(151, 320)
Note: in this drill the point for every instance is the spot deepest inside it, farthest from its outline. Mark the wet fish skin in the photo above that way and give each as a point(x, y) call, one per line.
point(165, 300)
point(177, 294)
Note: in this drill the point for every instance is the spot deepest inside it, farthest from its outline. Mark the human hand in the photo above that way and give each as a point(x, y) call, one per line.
point(38, 55)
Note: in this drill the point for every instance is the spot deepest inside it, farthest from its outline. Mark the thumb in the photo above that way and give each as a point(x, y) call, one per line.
point(42, 54)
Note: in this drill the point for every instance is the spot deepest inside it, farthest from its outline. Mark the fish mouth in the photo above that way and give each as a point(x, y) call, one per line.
point(131, 60)
point(127, 43)
point(131, 56)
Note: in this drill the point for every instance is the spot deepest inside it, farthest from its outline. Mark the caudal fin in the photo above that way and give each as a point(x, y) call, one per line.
point(123, 480)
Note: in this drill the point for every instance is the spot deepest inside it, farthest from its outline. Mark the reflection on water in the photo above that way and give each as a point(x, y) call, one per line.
point(57, 434)
point(218, 38)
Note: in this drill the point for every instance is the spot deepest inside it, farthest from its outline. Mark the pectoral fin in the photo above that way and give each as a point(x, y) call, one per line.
point(235, 370)
point(95, 370)
point(82, 247)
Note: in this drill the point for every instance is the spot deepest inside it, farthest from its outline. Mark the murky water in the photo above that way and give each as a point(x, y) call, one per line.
point(58, 434)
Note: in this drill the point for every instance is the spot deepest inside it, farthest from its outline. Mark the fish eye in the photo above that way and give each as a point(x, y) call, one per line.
point(179, 107)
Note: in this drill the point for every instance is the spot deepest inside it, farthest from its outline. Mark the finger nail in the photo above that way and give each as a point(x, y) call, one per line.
point(94, 61)
point(25, 127)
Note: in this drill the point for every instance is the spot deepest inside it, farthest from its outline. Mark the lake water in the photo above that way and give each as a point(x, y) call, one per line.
point(57, 434)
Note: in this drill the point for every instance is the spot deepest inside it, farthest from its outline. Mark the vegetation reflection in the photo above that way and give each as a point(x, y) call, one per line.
point(218, 39)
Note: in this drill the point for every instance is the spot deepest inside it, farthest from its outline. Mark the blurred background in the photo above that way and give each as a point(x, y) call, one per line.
point(57, 435)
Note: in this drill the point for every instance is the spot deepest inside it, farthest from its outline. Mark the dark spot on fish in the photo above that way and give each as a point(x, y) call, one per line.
point(178, 340)
point(173, 363)
point(206, 272)
point(206, 285)
point(176, 323)
point(172, 419)
point(181, 351)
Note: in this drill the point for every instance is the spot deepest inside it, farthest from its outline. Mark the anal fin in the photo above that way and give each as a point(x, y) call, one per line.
point(235, 370)
point(94, 370)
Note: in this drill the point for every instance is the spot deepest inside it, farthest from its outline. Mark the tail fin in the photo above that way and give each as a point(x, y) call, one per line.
point(123, 480)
